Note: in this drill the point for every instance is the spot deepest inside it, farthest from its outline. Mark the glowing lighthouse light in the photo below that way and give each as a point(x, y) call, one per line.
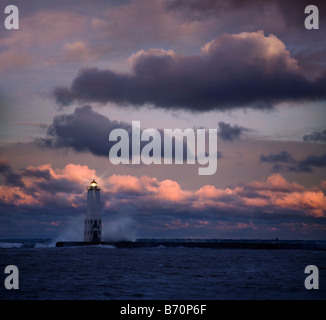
point(93, 220)
point(93, 183)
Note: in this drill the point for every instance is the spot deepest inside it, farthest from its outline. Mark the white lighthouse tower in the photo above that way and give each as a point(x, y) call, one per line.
point(93, 220)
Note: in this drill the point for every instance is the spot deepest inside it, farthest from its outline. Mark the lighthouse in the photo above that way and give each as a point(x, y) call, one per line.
point(93, 220)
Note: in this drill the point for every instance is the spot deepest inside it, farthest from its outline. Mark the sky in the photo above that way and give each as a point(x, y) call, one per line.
point(75, 71)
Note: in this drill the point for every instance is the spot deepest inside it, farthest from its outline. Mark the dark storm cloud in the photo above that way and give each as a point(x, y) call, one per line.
point(36, 173)
point(84, 130)
point(230, 133)
point(282, 156)
point(283, 161)
point(233, 71)
point(46, 182)
point(317, 136)
point(312, 161)
point(11, 178)
point(88, 131)
point(60, 185)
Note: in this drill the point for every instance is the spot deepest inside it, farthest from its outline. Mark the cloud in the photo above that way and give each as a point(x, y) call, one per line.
point(45, 201)
point(150, 193)
point(161, 207)
point(316, 136)
point(312, 161)
point(276, 183)
point(151, 188)
point(126, 184)
point(169, 190)
point(85, 130)
point(42, 185)
point(282, 156)
point(282, 18)
point(230, 133)
point(33, 172)
point(272, 194)
point(247, 69)
point(283, 161)
point(11, 178)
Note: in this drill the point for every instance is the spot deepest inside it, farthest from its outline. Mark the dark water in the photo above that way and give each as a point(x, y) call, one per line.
point(105, 272)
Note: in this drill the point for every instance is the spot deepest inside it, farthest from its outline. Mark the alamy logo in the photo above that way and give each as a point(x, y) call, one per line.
point(12, 280)
point(152, 146)
point(312, 281)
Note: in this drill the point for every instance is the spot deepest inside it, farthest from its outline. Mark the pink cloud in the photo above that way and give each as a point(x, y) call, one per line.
point(272, 195)
point(78, 173)
point(275, 182)
point(268, 52)
point(275, 192)
point(9, 194)
point(171, 191)
point(72, 172)
point(125, 183)
point(37, 182)
point(312, 201)
point(211, 192)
